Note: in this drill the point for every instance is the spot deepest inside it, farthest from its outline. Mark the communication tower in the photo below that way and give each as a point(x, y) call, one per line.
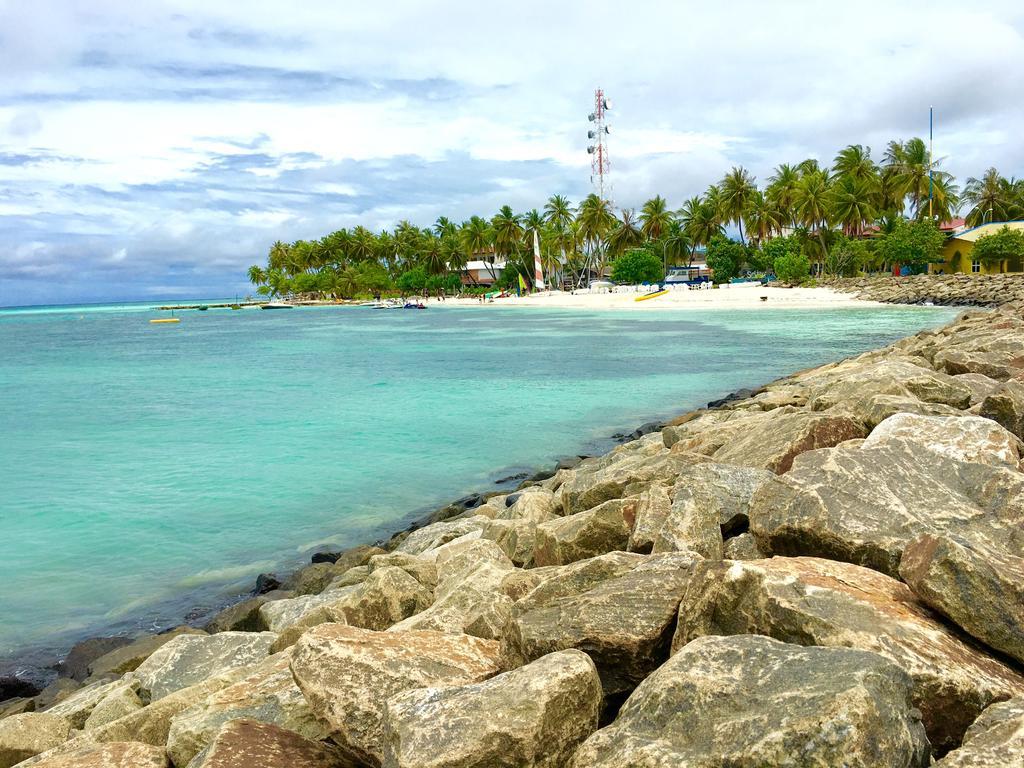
point(598, 148)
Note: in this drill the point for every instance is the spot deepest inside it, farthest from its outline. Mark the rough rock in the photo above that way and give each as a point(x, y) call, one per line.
point(121, 699)
point(751, 701)
point(76, 665)
point(251, 744)
point(267, 583)
point(742, 547)
point(347, 675)
point(387, 596)
point(356, 556)
point(189, 659)
point(624, 621)
point(423, 569)
point(128, 658)
point(962, 438)
point(864, 504)
point(27, 735)
point(979, 586)
point(516, 538)
point(436, 534)
point(1006, 406)
point(240, 617)
point(268, 695)
point(536, 715)
point(653, 506)
point(980, 386)
point(605, 528)
point(349, 578)
point(122, 754)
point(77, 707)
point(14, 687)
point(278, 615)
point(999, 364)
point(311, 580)
point(809, 601)
point(995, 739)
point(56, 692)
point(711, 501)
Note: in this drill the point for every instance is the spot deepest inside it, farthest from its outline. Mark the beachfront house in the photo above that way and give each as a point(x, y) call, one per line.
point(481, 272)
point(956, 254)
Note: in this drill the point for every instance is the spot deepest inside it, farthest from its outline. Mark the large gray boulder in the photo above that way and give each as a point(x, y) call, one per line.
point(995, 739)
point(961, 438)
point(623, 621)
point(809, 601)
point(121, 699)
point(749, 702)
point(864, 504)
point(190, 659)
point(978, 585)
point(434, 535)
point(305, 610)
point(628, 474)
point(1000, 361)
point(268, 695)
point(532, 716)
point(1006, 406)
point(711, 501)
point(653, 506)
point(423, 569)
point(348, 674)
point(120, 754)
point(76, 664)
point(605, 528)
point(385, 597)
point(78, 707)
point(251, 744)
point(129, 657)
point(26, 735)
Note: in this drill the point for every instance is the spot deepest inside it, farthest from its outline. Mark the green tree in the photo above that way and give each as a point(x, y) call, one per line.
point(412, 282)
point(911, 243)
point(725, 257)
point(846, 256)
point(737, 190)
point(772, 250)
point(792, 266)
point(1003, 245)
point(637, 265)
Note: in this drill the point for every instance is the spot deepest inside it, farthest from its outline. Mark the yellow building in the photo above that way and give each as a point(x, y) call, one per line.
point(956, 253)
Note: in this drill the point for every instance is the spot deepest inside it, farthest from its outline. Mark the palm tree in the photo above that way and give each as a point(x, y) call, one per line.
point(478, 241)
point(595, 222)
point(782, 191)
point(700, 222)
point(813, 204)
point(257, 276)
point(279, 253)
point(625, 234)
point(558, 211)
point(853, 203)
point(762, 217)
point(675, 243)
point(433, 256)
point(363, 244)
point(913, 175)
point(855, 161)
point(508, 232)
point(737, 191)
point(990, 197)
point(655, 220)
point(445, 227)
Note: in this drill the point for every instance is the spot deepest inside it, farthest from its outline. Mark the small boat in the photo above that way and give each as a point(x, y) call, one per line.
point(202, 307)
point(651, 295)
point(415, 305)
point(166, 320)
point(276, 305)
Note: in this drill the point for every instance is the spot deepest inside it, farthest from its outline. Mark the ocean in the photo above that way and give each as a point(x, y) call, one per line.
point(147, 470)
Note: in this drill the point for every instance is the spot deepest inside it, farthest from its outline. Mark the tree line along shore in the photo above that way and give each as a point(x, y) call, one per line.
point(828, 570)
point(857, 215)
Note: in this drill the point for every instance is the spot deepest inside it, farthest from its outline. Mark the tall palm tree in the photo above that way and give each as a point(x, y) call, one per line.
point(853, 203)
point(676, 244)
point(363, 244)
point(558, 211)
point(595, 222)
point(445, 227)
point(279, 253)
point(625, 234)
point(813, 205)
point(737, 191)
point(257, 276)
point(655, 220)
point(782, 191)
point(508, 232)
point(762, 217)
point(988, 198)
point(855, 161)
point(478, 242)
point(701, 222)
point(914, 176)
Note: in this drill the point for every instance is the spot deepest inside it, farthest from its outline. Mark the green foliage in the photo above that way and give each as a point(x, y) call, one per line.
point(725, 257)
point(846, 257)
point(412, 281)
point(637, 265)
point(792, 266)
point(772, 250)
point(911, 243)
point(448, 283)
point(1006, 243)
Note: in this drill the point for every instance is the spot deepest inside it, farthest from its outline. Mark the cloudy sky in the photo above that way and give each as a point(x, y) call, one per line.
point(155, 149)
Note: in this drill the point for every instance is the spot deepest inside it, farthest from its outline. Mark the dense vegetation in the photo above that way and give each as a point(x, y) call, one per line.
point(812, 217)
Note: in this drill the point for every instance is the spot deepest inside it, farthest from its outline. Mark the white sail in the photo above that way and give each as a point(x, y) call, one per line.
point(538, 272)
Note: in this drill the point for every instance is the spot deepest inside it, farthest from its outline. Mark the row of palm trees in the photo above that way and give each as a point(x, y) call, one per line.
point(851, 196)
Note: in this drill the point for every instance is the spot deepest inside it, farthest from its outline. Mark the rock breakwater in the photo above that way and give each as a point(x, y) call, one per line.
point(955, 290)
point(825, 572)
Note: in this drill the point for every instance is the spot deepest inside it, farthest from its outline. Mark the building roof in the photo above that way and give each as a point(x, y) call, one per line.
point(952, 225)
point(972, 235)
point(498, 264)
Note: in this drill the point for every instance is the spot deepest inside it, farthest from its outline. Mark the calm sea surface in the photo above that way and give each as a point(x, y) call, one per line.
point(147, 469)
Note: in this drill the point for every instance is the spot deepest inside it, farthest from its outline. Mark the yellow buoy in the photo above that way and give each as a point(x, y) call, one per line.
point(647, 296)
point(166, 320)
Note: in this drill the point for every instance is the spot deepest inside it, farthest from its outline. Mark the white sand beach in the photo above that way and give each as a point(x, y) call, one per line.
point(737, 296)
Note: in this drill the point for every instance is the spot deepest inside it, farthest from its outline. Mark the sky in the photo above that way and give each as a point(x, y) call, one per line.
point(155, 150)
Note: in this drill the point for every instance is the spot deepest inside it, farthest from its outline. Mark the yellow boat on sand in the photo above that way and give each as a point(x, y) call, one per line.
point(653, 295)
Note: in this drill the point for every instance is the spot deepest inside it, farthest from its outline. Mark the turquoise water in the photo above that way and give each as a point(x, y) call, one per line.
point(146, 469)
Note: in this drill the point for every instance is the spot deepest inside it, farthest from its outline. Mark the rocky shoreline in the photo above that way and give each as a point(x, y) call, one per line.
point(956, 290)
point(828, 570)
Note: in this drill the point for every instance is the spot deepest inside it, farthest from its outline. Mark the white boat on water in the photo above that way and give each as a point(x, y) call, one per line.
point(386, 304)
point(276, 305)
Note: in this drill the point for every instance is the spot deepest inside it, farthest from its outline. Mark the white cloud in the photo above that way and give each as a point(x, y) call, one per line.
point(188, 134)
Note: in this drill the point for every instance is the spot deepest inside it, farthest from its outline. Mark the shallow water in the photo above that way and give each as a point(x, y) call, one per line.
point(145, 469)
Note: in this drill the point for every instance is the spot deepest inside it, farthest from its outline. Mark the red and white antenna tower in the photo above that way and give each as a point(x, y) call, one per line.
point(598, 149)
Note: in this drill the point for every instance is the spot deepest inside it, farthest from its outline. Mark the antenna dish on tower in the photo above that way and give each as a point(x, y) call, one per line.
point(598, 151)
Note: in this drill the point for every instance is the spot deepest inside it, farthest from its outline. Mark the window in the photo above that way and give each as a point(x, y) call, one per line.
point(975, 266)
